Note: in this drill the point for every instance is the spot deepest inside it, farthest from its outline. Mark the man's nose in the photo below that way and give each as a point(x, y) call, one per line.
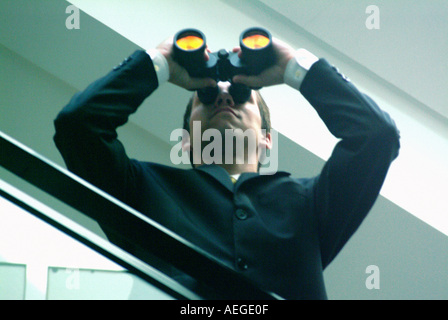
point(224, 99)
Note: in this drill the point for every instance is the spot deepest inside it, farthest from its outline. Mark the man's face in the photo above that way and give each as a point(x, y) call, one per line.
point(224, 114)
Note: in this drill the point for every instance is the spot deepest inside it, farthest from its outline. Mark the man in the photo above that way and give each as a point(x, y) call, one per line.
point(278, 231)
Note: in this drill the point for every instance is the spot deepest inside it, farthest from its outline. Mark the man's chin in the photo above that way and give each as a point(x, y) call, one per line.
point(221, 127)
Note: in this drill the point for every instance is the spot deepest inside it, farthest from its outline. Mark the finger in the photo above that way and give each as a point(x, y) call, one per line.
point(238, 50)
point(199, 83)
point(206, 53)
point(250, 81)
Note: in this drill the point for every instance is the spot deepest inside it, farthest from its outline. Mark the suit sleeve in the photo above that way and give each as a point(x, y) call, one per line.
point(86, 127)
point(351, 179)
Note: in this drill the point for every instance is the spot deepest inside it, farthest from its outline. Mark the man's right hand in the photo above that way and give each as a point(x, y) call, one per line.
point(178, 74)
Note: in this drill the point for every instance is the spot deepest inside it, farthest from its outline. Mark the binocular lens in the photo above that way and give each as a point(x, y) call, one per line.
point(240, 93)
point(188, 51)
point(256, 41)
point(190, 42)
point(208, 95)
point(257, 54)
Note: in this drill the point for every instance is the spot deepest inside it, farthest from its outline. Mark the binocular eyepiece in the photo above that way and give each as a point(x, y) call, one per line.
point(256, 55)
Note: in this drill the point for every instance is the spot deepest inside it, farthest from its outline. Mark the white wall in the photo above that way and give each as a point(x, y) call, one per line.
point(31, 99)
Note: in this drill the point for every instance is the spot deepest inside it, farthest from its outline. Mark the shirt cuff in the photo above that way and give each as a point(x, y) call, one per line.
point(160, 65)
point(298, 67)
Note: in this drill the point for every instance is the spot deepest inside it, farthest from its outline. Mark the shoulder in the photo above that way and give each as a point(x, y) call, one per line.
point(160, 172)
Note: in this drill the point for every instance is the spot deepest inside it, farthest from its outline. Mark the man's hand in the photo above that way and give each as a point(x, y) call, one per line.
point(272, 75)
point(179, 75)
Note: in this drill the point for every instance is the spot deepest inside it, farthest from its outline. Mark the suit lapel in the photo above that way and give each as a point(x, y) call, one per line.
point(219, 174)
point(223, 177)
point(256, 177)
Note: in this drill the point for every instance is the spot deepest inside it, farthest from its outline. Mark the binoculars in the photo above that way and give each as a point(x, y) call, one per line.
point(256, 55)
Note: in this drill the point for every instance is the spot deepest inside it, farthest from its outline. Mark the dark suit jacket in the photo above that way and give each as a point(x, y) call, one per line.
point(279, 231)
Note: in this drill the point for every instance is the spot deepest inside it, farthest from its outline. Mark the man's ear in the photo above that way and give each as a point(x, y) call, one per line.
point(187, 147)
point(264, 144)
point(266, 141)
point(186, 143)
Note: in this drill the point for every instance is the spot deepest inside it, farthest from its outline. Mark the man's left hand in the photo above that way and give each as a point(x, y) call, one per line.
point(272, 75)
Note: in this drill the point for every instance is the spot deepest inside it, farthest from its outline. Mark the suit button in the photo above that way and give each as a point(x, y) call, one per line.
point(241, 214)
point(241, 264)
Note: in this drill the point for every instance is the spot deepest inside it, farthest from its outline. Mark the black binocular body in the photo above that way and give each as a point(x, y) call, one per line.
point(256, 55)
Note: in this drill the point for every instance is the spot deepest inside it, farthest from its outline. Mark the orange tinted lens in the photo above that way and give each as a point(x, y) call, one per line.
point(256, 41)
point(190, 43)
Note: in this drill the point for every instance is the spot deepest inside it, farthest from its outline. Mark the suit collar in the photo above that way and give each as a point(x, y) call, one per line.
point(223, 177)
point(218, 173)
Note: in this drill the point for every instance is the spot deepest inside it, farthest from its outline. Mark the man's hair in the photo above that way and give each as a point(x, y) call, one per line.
point(262, 106)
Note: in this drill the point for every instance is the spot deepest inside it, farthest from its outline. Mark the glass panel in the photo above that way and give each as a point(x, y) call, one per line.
point(81, 284)
point(48, 264)
point(12, 281)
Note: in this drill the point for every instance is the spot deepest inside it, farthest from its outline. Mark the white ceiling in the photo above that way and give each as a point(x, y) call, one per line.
point(409, 50)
